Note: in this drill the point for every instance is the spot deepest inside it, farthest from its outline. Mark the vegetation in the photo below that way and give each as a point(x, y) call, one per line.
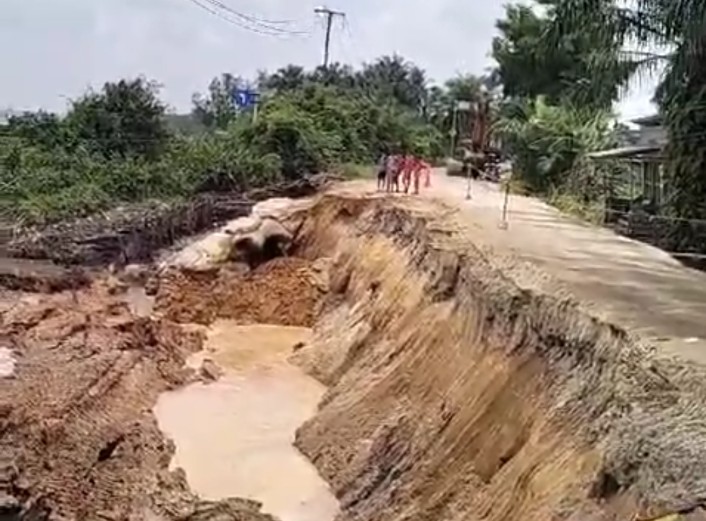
point(557, 91)
point(562, 69)
point(678, 27)
point(119, 144)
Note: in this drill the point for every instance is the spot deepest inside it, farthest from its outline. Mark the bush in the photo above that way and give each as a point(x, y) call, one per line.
point(114, 146)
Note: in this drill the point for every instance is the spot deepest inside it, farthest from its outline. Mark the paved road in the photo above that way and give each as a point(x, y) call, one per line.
point(627, 282)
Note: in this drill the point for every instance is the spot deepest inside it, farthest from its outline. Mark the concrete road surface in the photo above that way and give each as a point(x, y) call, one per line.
point(627, 282)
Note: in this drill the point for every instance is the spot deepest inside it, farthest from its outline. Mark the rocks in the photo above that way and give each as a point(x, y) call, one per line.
point(210, 372)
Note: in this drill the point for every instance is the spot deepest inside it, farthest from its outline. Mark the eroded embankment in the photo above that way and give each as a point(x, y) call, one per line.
point(461, 386)
point(457, 394)
point(80, 374)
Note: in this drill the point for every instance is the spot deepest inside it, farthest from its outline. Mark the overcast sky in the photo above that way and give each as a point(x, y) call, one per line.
point(54, 49)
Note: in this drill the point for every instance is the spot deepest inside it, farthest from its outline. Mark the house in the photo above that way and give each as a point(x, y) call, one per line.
point(634, 172)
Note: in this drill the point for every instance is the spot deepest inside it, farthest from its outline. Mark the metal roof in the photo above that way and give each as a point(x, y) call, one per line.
point(649, 121)
point(627, 152)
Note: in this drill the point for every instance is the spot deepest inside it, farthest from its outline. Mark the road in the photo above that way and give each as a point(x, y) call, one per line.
point(629, 283)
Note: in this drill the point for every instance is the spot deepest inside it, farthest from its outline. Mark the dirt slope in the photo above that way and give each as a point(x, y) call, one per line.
point(283, 291)
point(78, 439)
point(464, 386)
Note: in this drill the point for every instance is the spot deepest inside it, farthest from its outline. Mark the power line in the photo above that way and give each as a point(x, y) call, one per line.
point(258, 20)
point(253, 20)
point(330, 15)
point(230, 20)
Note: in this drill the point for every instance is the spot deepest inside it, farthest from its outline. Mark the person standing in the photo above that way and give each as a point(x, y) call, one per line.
point(382, 171)
point(407, 171)
point(417, 168)
point(393, 172)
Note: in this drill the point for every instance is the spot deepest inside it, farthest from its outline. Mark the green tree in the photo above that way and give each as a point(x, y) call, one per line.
point(41, 128)
point(216, 110)
point(394, 78)
point(577, 66)
point(123, 119)
point(679, 27)
point(549, 143)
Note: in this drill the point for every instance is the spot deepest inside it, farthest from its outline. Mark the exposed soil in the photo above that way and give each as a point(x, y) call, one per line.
point(133, 233)
point(39, 276)
point(78, 439)
point(461, 385)
point(284, 291)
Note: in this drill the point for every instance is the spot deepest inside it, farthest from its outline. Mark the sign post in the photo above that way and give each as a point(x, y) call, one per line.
point(245, 99)
point(503, 225)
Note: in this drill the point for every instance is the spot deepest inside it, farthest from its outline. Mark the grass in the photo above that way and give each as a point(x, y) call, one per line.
point(356, 171)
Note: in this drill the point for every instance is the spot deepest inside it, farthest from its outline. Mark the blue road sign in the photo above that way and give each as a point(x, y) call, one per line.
point(244, 98)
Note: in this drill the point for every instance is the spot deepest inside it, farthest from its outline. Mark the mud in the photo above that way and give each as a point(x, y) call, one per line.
point(78, 439)
point(284, 291)
point(234, 436)
point(459, 385)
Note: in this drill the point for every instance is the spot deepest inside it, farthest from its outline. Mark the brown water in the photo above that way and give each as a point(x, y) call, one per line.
point(234, 437)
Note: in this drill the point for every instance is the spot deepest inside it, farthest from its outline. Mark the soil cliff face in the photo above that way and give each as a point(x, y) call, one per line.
point(464, 386)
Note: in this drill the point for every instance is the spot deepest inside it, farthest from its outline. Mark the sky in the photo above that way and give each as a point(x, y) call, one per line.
point(53, 50)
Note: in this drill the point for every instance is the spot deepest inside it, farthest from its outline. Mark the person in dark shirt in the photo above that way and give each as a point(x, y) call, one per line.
point(382, 171)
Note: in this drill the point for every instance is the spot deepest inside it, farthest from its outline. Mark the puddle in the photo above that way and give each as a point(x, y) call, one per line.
point(234, 437)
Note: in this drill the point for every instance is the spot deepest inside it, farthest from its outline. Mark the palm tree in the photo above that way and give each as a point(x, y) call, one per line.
point(680, 26)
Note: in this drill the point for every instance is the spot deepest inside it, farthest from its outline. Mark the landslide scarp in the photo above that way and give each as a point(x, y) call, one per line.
point(467, 386)
point(461, 385)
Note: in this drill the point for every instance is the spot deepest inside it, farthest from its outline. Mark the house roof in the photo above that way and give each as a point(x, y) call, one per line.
point(631, 152)
point(649, 121)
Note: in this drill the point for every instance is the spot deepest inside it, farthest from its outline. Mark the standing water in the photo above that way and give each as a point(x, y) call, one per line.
point(234, 437)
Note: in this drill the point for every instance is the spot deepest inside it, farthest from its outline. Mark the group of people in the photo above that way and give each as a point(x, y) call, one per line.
point(392, 167)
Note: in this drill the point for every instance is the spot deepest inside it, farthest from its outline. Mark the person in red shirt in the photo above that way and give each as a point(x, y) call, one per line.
point(408, 171)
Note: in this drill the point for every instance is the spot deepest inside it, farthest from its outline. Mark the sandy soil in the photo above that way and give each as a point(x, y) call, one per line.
point(80, 375)
point(285, 291)
point(468, 384)
point(626, 282)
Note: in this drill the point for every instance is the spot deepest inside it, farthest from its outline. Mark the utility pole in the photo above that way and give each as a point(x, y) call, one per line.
point(330, 15)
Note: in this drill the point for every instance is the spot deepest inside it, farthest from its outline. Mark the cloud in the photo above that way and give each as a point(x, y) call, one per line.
point(56, 49)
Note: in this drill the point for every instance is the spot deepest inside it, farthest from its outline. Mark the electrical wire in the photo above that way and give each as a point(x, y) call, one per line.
point(237, 23)
point(256, 19)
point(253, 20)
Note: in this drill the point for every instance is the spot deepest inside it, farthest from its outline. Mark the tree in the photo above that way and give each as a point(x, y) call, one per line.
point(41, 128)
point(392, 77)
point(549, 142)
point(123, 119)
point(679, 26)
point(217, 110)
point(291, 77)
point(578, 66)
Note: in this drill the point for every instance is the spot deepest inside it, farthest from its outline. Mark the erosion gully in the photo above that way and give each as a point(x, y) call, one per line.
point(348, 357)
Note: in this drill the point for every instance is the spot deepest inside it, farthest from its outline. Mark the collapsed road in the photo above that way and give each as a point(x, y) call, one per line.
point(421, 376)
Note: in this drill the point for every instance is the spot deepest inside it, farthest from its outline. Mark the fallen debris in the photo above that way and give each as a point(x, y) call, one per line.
point(283, 291)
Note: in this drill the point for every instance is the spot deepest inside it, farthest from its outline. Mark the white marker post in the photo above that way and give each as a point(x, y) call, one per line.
point(504, 224)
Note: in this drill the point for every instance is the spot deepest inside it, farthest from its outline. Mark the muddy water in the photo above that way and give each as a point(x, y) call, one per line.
point(234, 437)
